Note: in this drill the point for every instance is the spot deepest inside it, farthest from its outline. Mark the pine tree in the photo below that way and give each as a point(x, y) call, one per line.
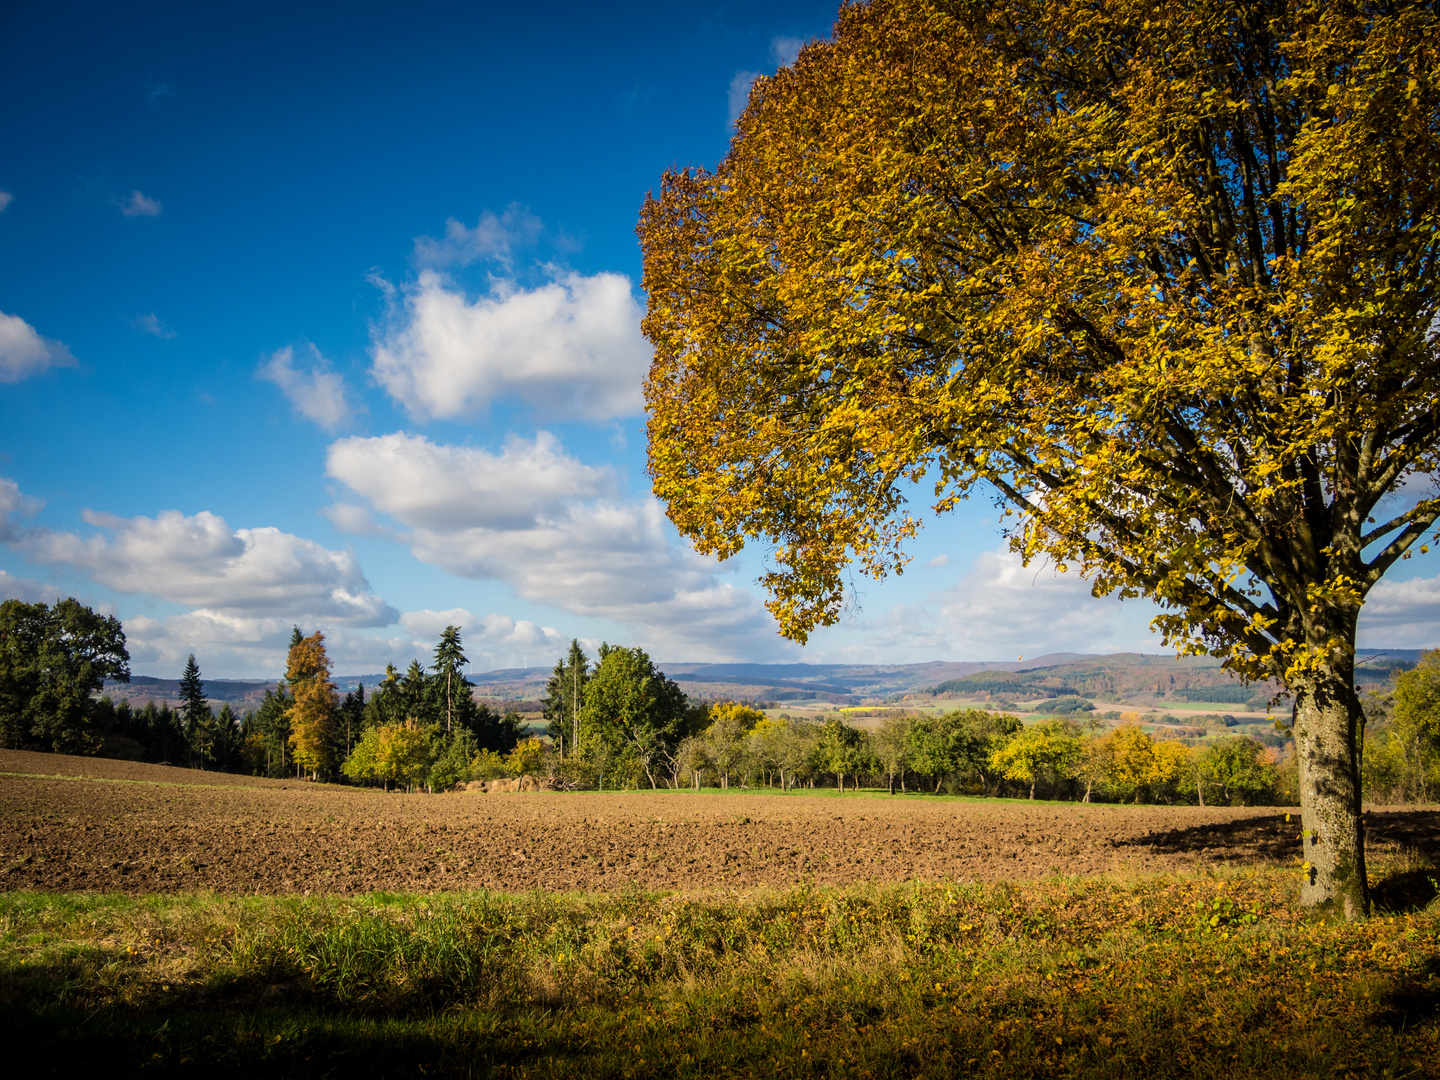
point(564, 696)
point(225, 740)
point(352, 719)
point(417, 698)
point(199, 737)
point(449, 659)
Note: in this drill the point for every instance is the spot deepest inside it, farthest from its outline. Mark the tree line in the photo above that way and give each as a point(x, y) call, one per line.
point(616, 721)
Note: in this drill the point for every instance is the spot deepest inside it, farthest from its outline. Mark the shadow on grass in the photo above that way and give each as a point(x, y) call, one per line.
point(295, 1033)
point(1414, 1000)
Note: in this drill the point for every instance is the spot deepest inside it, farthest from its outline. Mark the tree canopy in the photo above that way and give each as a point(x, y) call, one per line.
point(51, 661)
point(1160, 277)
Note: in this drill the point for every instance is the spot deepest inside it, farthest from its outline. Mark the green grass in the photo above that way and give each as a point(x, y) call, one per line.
point(1193, 976)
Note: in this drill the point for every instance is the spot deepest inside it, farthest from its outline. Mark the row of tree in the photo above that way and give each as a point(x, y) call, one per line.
point(982, 753)
point(620, 722)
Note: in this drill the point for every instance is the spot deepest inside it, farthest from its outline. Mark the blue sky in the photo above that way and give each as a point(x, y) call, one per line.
point(328, 316)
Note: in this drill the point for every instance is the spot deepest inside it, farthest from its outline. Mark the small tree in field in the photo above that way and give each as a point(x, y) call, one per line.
point(1159, 278)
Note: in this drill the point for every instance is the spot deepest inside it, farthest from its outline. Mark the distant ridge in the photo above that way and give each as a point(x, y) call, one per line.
point(1148, 676)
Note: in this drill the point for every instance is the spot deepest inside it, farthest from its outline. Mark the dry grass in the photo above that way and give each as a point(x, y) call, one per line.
point(1196, 975)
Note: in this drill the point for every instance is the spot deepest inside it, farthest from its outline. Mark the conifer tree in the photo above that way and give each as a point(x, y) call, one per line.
point(450, 682)
point(565, 696)
point(198, 734)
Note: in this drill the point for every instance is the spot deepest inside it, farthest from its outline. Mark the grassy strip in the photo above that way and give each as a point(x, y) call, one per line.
point(1195, 976)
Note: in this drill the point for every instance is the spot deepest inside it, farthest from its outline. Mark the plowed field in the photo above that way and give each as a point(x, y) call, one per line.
point(80, 823)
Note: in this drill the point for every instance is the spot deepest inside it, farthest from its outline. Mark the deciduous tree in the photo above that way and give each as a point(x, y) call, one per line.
point(632, 709)
point(51, 661)
point(312, 711)
point(1161, 277)
point(1415, 728)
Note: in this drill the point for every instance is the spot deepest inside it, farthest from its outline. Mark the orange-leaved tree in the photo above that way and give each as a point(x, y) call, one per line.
point(312, 716)
point(1160, 276)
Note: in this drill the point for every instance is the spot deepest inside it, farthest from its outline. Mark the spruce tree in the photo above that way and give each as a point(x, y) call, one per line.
point(198, 736)
point(449, 659)
point(564, 696)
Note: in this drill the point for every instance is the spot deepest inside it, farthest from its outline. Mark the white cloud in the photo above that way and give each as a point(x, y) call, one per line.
point(939, 560)
point(430, 624)
point(569, 348)
point(26, 589)
point(5, 198)
point(999, 610)
point(316, 390)
point(493, 237)
point(228, 646)
point(551, 528)
point(356, 520)
point(24, 353)
point(139, 205)
point(13, 502)
point(151, 324)
point(1402, 615)
point(449, 488)
point(784, 50)
point(484, 636)
point(740, 93)
point(234, 575)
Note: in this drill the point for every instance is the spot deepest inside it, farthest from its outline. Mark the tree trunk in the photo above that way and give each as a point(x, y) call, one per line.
point(1088, 785)
point(892, 783)
point(1032, 790)
point(1327, 718)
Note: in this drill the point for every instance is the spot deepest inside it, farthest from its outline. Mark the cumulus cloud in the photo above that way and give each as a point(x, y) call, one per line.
point(139, 205)
point(5, 198)
point(999, 609)
point(428, 623)
point(1402, 615)
point(12, 501)
point(229, 646)
point(484, 636)
point(233, 575)
point(24, 353)
point(151, 324)
point(26, 589)
point(356, 520)
point(554, 530)
point(315, 389)
point(494, 236)
point(450, 488)
point(569, 348)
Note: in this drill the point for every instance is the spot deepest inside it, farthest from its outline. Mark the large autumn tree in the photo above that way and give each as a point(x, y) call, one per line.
point(312, 711)
point(1161, 276)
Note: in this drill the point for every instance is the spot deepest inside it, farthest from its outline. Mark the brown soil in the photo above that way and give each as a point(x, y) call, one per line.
point(71, 823)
